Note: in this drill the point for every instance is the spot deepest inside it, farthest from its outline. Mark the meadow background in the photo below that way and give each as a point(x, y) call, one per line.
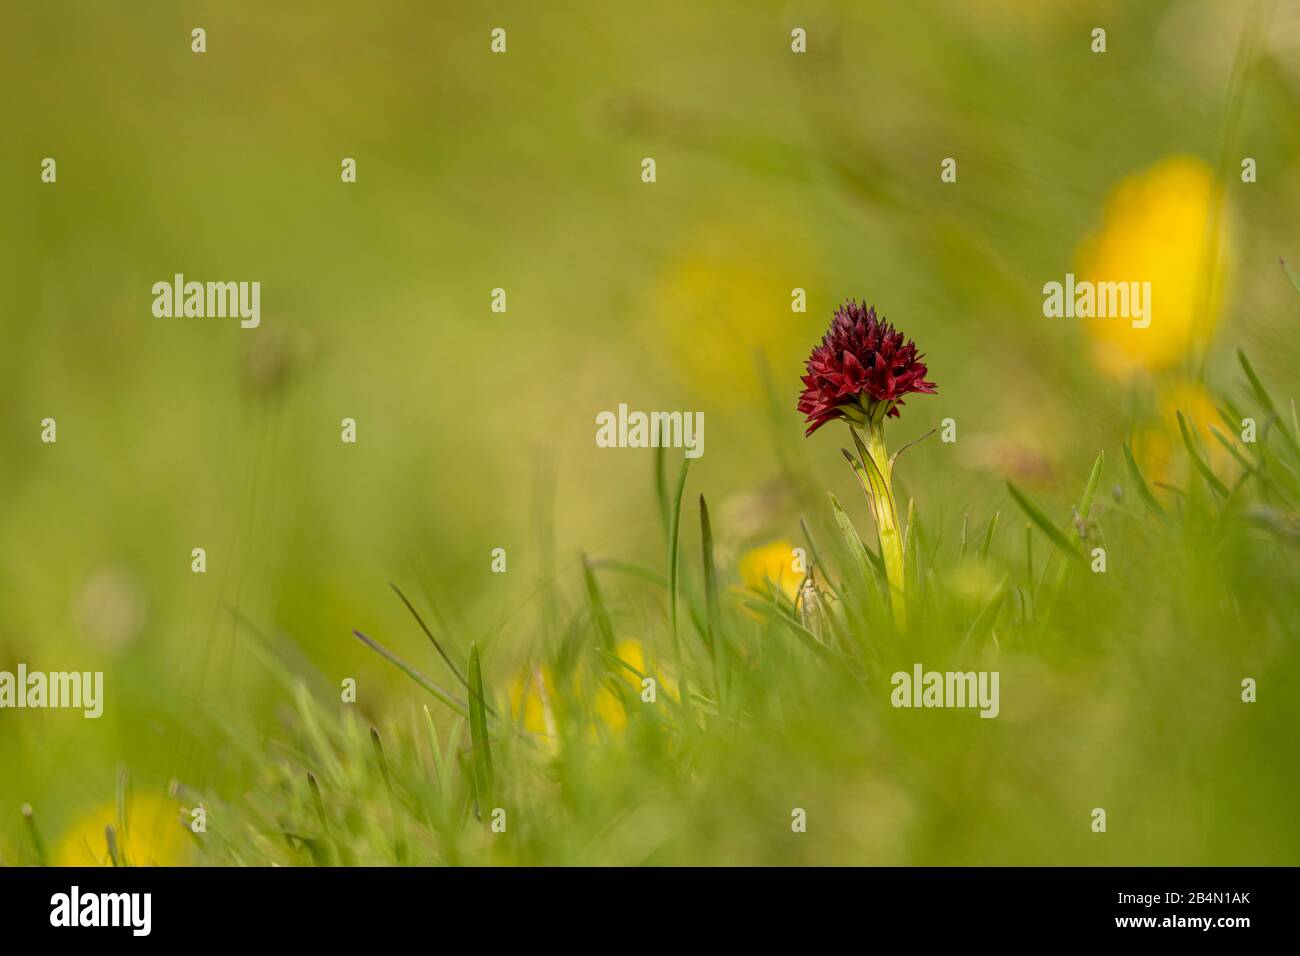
point(476, 429)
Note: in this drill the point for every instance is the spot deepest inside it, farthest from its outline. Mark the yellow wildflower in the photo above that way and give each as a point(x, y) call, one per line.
point(609, 706)
point(774, 563)
point(1162, 226)
point(1158, 449)
point(154, 835)
point(532, 702)
point(538, 709)
point(727, 299)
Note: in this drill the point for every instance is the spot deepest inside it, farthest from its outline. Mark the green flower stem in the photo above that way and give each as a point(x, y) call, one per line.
point(881, 478)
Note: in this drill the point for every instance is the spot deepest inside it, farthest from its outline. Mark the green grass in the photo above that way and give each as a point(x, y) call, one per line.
point(1119, 690)
point(776, 170)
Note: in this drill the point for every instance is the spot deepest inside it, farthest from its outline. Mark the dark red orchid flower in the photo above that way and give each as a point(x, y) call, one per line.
point(860, 361)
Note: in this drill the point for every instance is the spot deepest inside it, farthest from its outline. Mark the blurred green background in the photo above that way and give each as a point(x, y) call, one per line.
point(476, 429)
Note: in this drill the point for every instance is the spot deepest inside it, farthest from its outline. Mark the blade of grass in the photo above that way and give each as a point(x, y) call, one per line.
point(333, 848)
point(1228, 444)
point(1211, 479)
point(439, 768)
point(318, 734)
point(429, 634)
point(478, 732)
point(710, 573)
point(1265, 400)
point(1144, 492)
point(1076, 536)
point(857, 550)
point(399, 845)
point(599, 613)
point(674, 531)
point(1090, 491)
point(34, 834)
point(713, 616)
point(988, 613)
point(860, 471)
point(988, 536)
point(915, 441)
point(433, 688)
point(1233, 427)
point(674, 578)
point(1053, 533)
point(114, 854)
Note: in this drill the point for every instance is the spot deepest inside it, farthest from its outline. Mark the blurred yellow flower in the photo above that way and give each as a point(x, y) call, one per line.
point(154, 836)
point(1158, 449)
point(532, 702)
point(726, 299)
point(1165, 226)
point(535, 706)
point(772, 563)
point(608, 705)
